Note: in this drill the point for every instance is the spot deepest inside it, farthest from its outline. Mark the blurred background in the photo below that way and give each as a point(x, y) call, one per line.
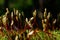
point(27, 6)
point(18, 4)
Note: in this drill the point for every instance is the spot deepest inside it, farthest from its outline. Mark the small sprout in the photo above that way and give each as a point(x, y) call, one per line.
point(31, 19)
point(30, 33)
point(16, 38)
point(44, 25)
point(34, 13)
point(19, 15)
point(28, 22)
point(17, 18)
point(48, 16)
point(12, 22)
point(11, 14)
point(17, 12)
point(45, 13)
point(6, 9)
point(4, 19)
point(45, 20)
point(54, 21)
point(22, 13)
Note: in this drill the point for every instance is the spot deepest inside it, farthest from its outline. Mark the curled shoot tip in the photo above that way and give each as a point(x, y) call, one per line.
point(54, 21)
point(34, 13)
point(6, 9)
point(26, 19)
point(45, 13)
point(45, 9)
point(19, 14)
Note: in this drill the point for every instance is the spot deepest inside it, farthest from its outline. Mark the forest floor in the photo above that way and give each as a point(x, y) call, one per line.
point(51, 35)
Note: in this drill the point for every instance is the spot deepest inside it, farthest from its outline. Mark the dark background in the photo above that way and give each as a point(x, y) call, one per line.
point(27, 6)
